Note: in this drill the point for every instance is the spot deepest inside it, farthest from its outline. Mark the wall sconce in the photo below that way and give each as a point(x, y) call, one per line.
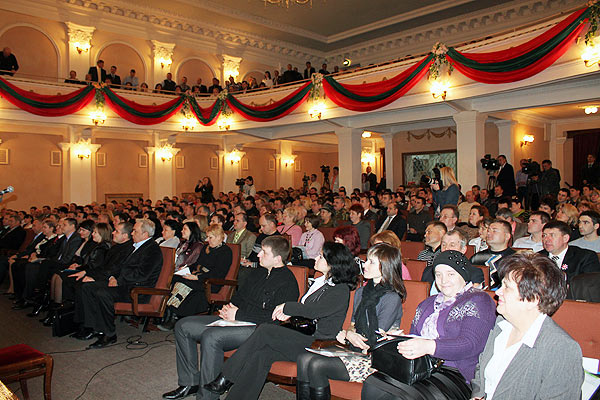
point(81, 47)
point(590, 109)
point(288, 161)
point(98, 117)
point(231, 72)
point(165, 62)
point(224, 122)
point(188, 123)
point(439, 89)
point(526, 140)
point(366, 134)
point(165, 152)
point(82, 149)
point(591, 52)
point(234, 157)
point(367, 158)
point(316, 110)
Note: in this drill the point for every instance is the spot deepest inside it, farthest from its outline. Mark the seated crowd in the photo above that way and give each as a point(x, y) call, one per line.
point(97, 74)
point(87, 258)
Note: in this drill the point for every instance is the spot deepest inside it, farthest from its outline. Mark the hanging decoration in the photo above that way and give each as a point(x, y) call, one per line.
point(429, 134)
point(504, 66)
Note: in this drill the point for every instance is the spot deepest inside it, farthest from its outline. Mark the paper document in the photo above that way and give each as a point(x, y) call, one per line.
point(222, 322)
point(183, 271)
point(333, 352)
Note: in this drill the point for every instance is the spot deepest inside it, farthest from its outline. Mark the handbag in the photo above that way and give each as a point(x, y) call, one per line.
point(297, 254)
point(303, 325)
point(391, 364)
point(64, 322)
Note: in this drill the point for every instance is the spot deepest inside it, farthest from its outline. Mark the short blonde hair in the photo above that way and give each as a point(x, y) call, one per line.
point(291, 211)
point(216, 230)
point(571, 212)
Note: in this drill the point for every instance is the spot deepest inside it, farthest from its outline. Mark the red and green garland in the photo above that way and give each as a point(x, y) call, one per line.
point(510, 65)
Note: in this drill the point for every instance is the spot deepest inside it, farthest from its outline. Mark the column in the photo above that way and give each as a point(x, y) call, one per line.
point(349, 157)
point(231, 67)
point(284, 165)
point(80, 38)
point(388, 140)
point(161, 168)
point(557, 149)
point(79, 175)
point(230, 168)
point(470, 147)
point(163, 59)
point(506, 135)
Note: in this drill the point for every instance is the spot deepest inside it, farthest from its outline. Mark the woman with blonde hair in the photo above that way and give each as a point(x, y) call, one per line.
point(569, 214)
point(391, 238)
point(446, 191)
point(289, 227)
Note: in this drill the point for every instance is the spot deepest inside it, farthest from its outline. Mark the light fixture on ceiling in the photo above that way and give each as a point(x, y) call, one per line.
point(527, 139)
point(367, 157)
point(287, 3)
point(590, 109)
point(366, 134)
point(165, 62)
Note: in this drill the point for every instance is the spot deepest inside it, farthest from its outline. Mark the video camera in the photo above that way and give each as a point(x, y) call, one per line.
point(325, 169)
point(240, 182)
point(489, 163)
point(532, 168)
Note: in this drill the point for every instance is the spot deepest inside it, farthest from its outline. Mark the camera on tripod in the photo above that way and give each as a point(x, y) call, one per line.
point(489, 163)
point(240, 182)
point(532, 168)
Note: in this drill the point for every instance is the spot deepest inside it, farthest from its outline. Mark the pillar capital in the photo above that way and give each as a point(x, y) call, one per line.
point(80, 36)
point(231, 66)
point(469, 117)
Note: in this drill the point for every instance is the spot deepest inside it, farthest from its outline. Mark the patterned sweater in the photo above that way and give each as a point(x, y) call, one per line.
point(463, 329)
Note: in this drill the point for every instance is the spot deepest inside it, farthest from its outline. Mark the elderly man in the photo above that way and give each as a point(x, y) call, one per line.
point(8, 62)
point(140, 268)
point(241, 235)
point(464, 208)
point(498, 237)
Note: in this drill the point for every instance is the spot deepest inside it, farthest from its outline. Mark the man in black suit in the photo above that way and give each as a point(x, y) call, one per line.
point(289, 75)
point(372, 179)
point(368, 213)
point(216, 85)
point(506, 177)
point(36, 226)
point(202, 88)
point(590, 175)
point(8, 62)
point(572, 260)
point(393, 222)
point(309, 71)
point(141, 268)
point(98, 72)
point(169, 84)
point(114, 78)
point(13, 236)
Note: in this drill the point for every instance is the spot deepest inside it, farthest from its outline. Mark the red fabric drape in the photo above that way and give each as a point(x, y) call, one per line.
point(142, 120)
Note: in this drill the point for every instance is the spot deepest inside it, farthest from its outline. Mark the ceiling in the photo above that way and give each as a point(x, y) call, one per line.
point(563, 111)
point(329, 24)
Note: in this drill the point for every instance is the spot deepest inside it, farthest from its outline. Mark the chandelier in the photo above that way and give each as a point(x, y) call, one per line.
point(287, 3)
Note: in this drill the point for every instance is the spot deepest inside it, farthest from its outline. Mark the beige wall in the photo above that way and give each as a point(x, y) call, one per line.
point(36, 183)
point(195, 69)
point(197, 166)
point(124, 58)
point(121, 174)
point(35, 53)
point(538, 150)
point(310, 163)
point(258, 167)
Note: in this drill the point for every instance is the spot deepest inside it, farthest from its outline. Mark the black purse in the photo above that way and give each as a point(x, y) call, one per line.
point(301, 324)
point(392, 366)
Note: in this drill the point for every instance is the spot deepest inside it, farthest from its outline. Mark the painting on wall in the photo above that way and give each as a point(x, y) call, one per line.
point(179, 162)
point(298, 166)
point(4, 156)
point(245, 164)
point(214, 163)
point(101, 159)
point(143, 160)
point(271, 164)
point(56, 158)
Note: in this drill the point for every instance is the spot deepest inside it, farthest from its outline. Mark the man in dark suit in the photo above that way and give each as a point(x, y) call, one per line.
point(202, 88)
point(13, 236)
point(169, 84)
point(506, 177)
point(572, 260)
point(216, 84)
point(289, 75)
point(114, 78)
point(309, 71)
point(368, 213)
point(590, 175)
point(372, 179)
point(141, 268)
point(98, 72)
point(393, 222)
point(36, 227)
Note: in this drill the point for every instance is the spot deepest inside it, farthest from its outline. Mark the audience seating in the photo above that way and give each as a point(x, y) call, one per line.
point(581, 320)
point(327, 233)
point(411, 250)
point(29, 235)
point(416, 268)
point(160, 293)
point(228, 285)
point(486, 275)
point(470, 251)
point(301, 275)
point(21, 362)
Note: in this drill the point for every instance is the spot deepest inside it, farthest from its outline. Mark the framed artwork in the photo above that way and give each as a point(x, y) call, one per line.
point(244, 164)
point(4, 156)
point(143, 160)
point(101, 159)
point(56, 157)
point(214, 163)
point(298, 165)
point(271, 164)
point(179, 162)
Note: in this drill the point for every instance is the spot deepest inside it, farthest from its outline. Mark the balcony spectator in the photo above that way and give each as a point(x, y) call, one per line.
point(178, 89)
point(158, 88)
point(309, 70)
point(88, 79)
point(132, 79)
point(277, 79)
point(202, 89)
point(253, 84)
point(8, 62)
point(184, 86)
point(289, 75)
point(73, 78)
point(336, 69)
point(144, 87)
point(268, 80)
point(108, 81)
point(98, 73)
point(169, 84)
point(114, 78)
point(297, 74)
point(323, 69)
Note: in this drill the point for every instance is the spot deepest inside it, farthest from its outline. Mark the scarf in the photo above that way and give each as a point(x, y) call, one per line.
point(365, 315)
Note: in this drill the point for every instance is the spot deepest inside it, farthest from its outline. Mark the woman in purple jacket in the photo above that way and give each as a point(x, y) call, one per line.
point(453, 325)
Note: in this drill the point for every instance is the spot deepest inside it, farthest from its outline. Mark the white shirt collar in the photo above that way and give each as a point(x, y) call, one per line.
point(560, 255)
point(139, 244)
point(532, 333)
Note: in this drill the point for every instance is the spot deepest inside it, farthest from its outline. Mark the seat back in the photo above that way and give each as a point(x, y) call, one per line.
point(486, 275)
point(29, 235)
point(348, 319)
point(301, 275)
point(327, 233)
point(416, 292)
point(224, 294)
point(571, 316)
point(165, 277)
point(470, 251)
point(415, 267)
point(411, 249)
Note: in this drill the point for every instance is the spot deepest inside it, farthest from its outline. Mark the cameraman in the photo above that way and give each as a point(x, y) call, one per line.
point(248, 189)
point(445, 191)
point(549, 179)
point(505, 176)
point(314, 184)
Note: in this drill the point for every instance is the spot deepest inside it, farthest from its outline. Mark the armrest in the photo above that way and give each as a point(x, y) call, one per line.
point(323, 344)
point(137, 291)
point(217, 282)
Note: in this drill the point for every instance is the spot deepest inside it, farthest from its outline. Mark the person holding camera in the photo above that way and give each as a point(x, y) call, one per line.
point(445, 188)
point(248, 189)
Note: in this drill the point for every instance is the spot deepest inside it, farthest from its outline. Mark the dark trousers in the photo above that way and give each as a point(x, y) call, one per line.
point(18, 273)
point(195, 302)
point(3, 268)
point(214, 342)
point(249, 366)
point(317, 369)
point(98, 306)
point(37, 276)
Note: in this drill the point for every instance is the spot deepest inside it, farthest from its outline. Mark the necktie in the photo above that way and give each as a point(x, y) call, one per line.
point(555, 259)
point(386, 223)
point(236, 237)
